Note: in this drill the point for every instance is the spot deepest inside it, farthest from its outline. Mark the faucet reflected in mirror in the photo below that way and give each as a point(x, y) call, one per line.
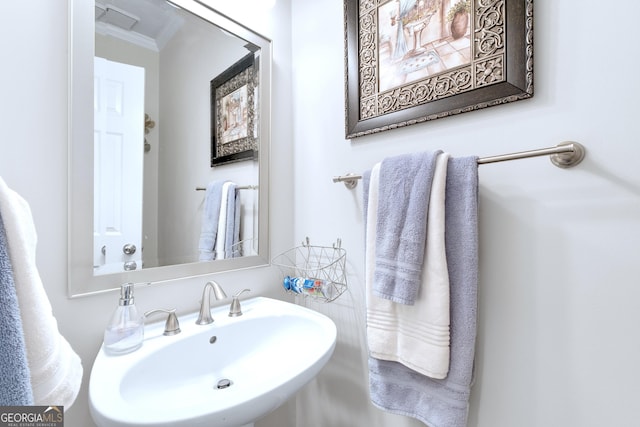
point(197, 45)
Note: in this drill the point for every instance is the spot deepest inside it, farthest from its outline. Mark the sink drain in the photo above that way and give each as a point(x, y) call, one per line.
point(224, 383)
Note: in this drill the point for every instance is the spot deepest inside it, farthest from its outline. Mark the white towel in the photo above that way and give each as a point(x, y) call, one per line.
point(415, 335)
point(222, 222)
point(232, 235)
point(371, 214)
point(56, 370)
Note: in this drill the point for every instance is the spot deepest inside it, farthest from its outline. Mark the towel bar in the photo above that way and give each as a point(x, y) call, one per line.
point(239, 187)
point(564, 155)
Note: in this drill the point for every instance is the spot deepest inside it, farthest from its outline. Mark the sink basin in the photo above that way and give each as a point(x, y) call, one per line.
point(229, 373)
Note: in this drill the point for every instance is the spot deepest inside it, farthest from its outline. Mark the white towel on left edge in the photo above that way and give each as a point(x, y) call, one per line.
point(56, 370)
point(416, 335)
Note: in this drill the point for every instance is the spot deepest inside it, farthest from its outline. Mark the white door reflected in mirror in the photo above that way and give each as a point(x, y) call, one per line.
point(118, 167)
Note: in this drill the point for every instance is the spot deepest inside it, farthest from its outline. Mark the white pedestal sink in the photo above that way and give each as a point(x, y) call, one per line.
point(229, 373)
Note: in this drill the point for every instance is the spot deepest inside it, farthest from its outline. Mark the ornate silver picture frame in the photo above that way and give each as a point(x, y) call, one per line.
point(233, 113)
point(411, 61)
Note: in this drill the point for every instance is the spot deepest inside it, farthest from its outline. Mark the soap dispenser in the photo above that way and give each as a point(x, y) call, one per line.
point(125, 330)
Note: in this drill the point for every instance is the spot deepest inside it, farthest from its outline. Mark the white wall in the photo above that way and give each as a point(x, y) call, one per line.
point(559, 266)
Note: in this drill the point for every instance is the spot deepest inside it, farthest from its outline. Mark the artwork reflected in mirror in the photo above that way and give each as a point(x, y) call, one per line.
point(233, 118)
point(155, 62)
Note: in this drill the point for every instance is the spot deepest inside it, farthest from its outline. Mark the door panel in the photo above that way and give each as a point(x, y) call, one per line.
point(118, 165)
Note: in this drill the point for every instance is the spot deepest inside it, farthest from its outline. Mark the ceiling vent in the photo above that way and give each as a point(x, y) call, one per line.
point(118, 17)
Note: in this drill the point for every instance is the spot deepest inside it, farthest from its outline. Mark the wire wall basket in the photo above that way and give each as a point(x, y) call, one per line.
point(314, 271)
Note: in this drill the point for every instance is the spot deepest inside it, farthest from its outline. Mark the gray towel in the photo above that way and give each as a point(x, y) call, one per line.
point(210, 216)
point(398, 389)
point(403, 203)
point(15, 380)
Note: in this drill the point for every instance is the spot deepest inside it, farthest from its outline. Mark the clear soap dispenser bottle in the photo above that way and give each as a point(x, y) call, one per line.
point(125, 330)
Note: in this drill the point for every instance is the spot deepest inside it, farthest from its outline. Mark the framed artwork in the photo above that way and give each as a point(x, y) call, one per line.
point(234, 123)
point(411, 61)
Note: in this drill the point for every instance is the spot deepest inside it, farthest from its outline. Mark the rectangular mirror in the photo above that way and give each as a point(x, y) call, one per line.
point(144, 150)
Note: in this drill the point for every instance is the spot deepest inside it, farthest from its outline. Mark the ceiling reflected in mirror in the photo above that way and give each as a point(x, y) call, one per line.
point(150, 24)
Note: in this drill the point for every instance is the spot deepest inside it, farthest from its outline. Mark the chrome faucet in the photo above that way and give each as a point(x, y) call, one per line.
point(204, 318)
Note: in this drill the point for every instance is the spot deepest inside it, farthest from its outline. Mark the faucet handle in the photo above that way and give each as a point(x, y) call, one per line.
point(235, 310)
point(172, 326)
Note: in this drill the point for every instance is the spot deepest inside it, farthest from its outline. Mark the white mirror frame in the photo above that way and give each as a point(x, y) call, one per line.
point(80, 190)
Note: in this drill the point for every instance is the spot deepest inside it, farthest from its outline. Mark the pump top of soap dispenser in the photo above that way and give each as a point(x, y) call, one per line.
point(126, 294)
point(125, 330)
